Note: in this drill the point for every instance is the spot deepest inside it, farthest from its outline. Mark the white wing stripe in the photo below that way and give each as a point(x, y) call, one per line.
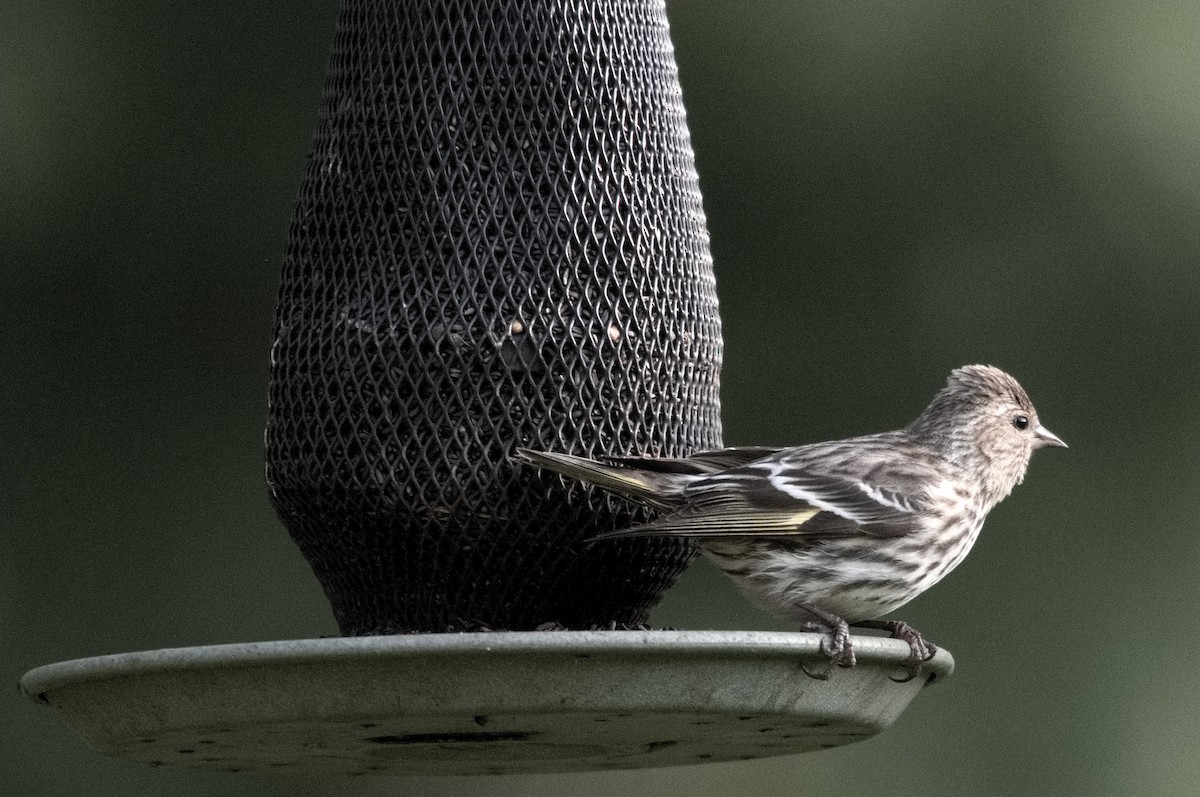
point(781, 483)
point(893, 500)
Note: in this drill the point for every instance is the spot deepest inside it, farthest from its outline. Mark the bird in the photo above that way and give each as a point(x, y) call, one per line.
point(841, 533)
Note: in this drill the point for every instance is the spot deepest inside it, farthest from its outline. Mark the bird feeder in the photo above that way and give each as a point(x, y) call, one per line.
point(499, 242)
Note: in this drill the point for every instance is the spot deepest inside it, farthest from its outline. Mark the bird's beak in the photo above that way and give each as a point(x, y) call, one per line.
point(1044, 437)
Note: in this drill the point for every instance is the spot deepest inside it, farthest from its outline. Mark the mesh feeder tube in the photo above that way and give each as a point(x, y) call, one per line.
point(498, 242)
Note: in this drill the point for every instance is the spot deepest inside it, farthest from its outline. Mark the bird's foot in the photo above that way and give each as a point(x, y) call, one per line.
point(920, 649)
point(835, 644)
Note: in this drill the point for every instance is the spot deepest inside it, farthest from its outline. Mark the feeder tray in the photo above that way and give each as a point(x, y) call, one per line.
point(475, 704)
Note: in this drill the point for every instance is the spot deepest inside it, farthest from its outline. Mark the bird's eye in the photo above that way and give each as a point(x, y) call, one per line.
point(1021, 421)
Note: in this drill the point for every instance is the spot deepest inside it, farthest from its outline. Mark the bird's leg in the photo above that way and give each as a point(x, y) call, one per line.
point(920, 649)
point(836, 644)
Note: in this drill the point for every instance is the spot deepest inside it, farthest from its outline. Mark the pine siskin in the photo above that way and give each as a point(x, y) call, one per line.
point(841, 533)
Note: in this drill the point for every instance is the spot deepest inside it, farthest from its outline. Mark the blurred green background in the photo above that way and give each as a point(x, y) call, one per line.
point(892, 190)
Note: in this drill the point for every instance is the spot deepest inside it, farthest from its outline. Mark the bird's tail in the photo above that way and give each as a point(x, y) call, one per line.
point(656, 490)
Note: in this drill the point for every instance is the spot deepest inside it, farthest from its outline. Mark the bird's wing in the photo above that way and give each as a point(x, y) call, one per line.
point(700, 463)
point(812, 492)
point(850, 503)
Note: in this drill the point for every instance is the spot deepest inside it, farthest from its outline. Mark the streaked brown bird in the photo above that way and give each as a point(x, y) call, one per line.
point(841, 533)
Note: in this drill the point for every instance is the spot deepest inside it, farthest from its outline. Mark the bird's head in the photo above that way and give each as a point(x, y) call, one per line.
point(983, 419)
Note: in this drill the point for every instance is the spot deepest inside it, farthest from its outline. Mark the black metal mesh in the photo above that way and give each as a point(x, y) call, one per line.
point(499, 241)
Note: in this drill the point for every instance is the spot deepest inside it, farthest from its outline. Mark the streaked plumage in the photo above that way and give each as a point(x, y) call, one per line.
point(845, 531)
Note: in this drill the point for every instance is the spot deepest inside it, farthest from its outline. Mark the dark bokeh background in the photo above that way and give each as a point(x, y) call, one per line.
point(892, 189)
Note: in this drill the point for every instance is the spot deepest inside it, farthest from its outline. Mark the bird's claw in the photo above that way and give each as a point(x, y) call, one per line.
point(836, 645)
point(920, 649)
